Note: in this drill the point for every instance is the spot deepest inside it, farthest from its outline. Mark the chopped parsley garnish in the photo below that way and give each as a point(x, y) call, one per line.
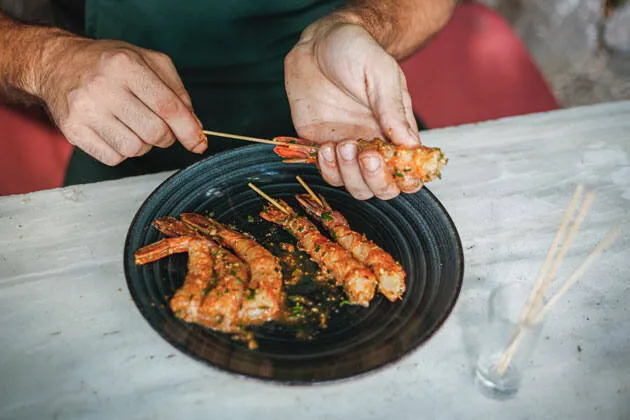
point(317, 247)
point(238, 279)
point(399, 174)
point(327, 215)
point(334, 235)
point(250, 219)
point(206, 290)
point(251, 295)
point(344, 302)
point(301, 228)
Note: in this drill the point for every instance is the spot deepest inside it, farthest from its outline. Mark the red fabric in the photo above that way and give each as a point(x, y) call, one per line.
point(33, 156)
point(474, 70)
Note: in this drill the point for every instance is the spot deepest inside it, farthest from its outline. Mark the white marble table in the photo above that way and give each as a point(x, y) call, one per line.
point(73, 345)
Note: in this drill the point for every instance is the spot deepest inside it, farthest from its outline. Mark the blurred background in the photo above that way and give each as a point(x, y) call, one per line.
point(494, 59)
point(581, 46)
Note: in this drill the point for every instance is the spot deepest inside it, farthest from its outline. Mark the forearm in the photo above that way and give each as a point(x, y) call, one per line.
point(23, 57)
point(399, 26)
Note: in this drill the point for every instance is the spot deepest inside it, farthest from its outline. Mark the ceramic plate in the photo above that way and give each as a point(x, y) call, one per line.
point(415, 229)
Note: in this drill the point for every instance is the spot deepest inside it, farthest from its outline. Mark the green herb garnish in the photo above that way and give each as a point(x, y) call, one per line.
point(327, 215)
point(250, 219)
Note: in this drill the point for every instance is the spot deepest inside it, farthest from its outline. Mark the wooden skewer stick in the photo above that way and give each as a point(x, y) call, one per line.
point(563, 250)
point(253, 139)
point(307, 188)
point(266, 197)
point(539, 289)
point(601, 247)
point(542, 274)
point(237, 137)
point(605, 243)
point(552, 250)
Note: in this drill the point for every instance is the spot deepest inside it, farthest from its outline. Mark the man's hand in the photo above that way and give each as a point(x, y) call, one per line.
point(114, 100)
point(341, 85)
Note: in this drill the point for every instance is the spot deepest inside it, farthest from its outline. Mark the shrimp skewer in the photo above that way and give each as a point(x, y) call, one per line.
point(186, 302)
point(263, 297)
point(411, 168)
point(390, 275)
point(220, 308)
point(358, 280)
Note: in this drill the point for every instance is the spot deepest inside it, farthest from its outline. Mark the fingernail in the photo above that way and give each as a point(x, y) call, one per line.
point(414, 136)
point(348, 151)
point(328, 154)
point(200, 148)
point(371, 163)
point(198, 120)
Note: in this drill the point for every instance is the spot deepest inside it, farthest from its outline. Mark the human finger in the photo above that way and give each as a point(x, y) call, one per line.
point(150, 128)
point(91, 143)
point(350, 171)
point(120, 137)
point(376, 176)
point(150, 89)
point(327, 159)
point(386, 98)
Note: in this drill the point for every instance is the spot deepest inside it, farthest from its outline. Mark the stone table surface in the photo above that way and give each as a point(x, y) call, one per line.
point(73, 345)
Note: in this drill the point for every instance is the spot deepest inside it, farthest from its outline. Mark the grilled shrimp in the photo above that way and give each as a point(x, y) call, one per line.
point(358, 280)
point(186, 302)
point(390, 275)
point(411, 168)
point(224, 295)
point(263, 296)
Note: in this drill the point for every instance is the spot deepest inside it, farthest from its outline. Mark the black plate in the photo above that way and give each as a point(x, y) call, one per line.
point(415, 229)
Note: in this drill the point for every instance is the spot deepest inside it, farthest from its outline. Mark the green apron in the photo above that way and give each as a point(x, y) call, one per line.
point(230, 56)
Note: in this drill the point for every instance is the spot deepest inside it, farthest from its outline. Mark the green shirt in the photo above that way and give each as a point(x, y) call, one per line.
point(230, 56)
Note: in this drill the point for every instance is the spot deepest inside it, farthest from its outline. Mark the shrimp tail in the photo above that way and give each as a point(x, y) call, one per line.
point(322, 212)
point(161, 249)
point(274, 215)
point(170, 226)
point(295, 150)
point(201, 223)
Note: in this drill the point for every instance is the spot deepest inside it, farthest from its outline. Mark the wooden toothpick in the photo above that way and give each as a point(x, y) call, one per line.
point(311, 192)
point(266, 197)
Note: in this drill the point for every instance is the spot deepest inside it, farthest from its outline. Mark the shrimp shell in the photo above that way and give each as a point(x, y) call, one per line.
point(264, 294)
point(390, 275)
point(358, 280)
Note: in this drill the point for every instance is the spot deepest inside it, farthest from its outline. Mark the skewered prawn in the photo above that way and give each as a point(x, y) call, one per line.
point(186, 302)
point(411, 168)
point(358, 280)
point(264, 295)
point(390, 275)
point(224, 295)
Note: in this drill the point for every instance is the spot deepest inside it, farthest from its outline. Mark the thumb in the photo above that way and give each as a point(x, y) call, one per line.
point(391, 105)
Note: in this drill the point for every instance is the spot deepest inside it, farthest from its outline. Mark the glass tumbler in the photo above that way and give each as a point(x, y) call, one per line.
point(505, 344)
